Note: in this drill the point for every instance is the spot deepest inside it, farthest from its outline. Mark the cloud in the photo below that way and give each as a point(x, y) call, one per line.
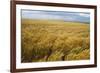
point(56, 15)
point(84, 14)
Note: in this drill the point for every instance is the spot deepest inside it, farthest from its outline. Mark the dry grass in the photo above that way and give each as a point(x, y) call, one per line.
point(46, 40)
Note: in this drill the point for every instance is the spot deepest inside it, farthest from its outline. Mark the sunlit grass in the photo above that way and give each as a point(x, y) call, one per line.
point(49, 40)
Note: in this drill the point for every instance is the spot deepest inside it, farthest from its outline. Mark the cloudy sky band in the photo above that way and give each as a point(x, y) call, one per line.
point(56, 15)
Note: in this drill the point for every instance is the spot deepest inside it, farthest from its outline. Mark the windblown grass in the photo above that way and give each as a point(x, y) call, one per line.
point(49, 40)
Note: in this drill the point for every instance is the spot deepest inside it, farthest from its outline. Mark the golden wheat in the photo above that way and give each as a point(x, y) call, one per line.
point(49, 40)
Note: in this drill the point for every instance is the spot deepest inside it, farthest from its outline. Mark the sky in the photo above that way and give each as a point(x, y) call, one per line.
point(56, 15)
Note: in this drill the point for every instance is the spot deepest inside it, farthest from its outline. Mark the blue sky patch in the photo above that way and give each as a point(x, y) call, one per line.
point(56, 15)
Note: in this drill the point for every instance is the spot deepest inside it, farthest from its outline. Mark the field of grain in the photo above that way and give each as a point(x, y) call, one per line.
point(49, 40)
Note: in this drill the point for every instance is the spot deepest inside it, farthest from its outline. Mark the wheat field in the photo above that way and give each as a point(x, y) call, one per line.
point(51, 40)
